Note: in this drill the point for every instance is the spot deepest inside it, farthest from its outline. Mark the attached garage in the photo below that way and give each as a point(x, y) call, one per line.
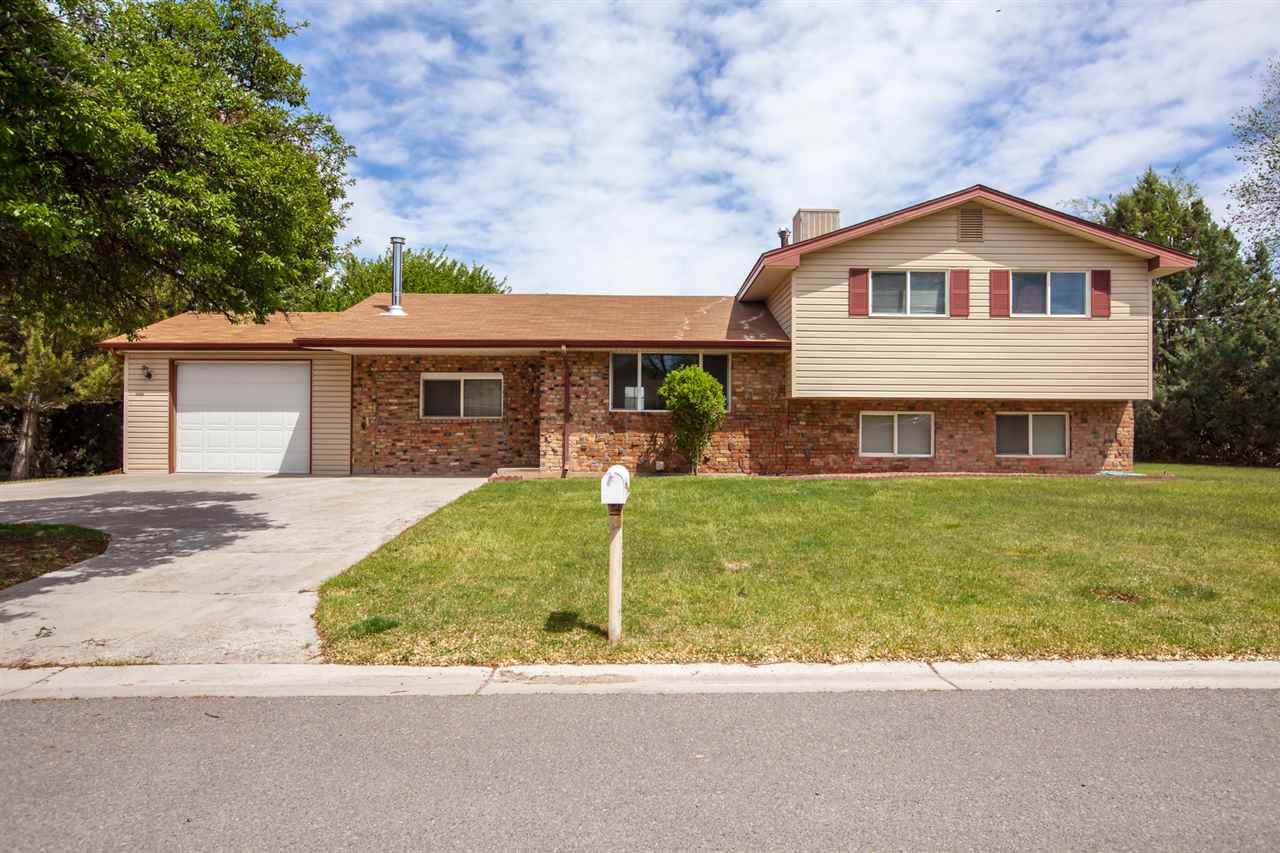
point(242, 417)
point(205, 395)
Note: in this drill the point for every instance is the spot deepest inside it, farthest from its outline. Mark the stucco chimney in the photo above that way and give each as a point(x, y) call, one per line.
point(810, 222)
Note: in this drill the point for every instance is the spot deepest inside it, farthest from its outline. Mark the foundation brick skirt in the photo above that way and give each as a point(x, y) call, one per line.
point(765, 432)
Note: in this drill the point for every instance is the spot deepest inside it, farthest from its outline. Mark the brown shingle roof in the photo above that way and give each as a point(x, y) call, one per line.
point(552, 319)
point(486, 320)
point(215, 331)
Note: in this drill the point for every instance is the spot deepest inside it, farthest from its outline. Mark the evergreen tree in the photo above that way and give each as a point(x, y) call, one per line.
point(43, 369)
point(1217, 332)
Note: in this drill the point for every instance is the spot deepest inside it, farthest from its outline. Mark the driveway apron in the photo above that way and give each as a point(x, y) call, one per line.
point(201, 568)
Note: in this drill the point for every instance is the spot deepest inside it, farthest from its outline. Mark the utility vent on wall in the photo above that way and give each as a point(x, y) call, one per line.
point(971, 223)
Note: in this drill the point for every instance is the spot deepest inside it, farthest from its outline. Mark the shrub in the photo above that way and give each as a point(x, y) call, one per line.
point(696, 401)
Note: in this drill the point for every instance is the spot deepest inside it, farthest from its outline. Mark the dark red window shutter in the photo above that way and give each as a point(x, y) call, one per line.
point(959, 293)
point(859, 295)
point(999, 293)
point(1101, 292)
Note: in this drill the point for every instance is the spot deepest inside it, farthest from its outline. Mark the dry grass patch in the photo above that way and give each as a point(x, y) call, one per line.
point(30, 550)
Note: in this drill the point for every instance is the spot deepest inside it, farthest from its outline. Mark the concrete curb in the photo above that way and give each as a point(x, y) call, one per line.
point(272, 680)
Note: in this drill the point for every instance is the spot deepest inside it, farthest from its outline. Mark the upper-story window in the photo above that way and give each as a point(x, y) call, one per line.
point(910, 292)
point(1040, 294)
point(635, 377)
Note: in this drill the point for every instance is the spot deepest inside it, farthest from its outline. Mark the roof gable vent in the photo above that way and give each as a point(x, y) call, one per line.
point(970, 223)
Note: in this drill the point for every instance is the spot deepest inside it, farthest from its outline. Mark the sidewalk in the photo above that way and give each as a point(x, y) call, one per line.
point(335, 680)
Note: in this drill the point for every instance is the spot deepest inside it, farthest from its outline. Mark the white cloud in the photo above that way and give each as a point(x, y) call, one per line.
point(649, 148)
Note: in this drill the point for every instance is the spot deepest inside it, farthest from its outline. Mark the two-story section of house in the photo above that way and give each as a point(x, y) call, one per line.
point(977, 332)
point(973, 332)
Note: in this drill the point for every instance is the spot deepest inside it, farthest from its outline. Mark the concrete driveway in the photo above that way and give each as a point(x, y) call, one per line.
point(201, 568)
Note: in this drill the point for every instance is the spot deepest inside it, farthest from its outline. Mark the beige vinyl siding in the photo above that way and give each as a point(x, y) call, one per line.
point(146, 414)
point(835, 355)
point(146, 407)
point(779, 303)
point(331, 413)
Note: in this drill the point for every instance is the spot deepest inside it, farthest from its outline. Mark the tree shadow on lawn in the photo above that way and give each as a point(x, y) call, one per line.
point(564, 621)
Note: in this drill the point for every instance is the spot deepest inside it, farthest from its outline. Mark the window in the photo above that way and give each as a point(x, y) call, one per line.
point(461, 395)
point(635, 377)
point(1032, 434)
point(913, 292)
point(895, 434)
point(1049, 293)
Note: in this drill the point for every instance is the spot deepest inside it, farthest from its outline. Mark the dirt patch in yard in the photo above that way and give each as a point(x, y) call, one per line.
point(30, 550)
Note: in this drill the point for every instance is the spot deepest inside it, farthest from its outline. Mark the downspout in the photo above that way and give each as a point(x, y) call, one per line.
point(564, 441)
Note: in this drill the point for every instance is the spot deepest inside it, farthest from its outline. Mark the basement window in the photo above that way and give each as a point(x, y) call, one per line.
point(461, 395)
point(1032, 434)
point(635, 377)
point(895, 434)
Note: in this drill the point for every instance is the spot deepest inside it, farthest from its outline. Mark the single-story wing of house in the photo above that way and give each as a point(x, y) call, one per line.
point(975, 332)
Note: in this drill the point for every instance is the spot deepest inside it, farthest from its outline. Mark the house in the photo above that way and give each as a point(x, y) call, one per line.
point(973, 332)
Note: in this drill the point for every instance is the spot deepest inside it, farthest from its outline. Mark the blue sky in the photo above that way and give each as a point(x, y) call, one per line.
point(657, 147)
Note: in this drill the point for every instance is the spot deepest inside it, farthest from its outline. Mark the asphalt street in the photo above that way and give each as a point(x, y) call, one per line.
point(1097, 770)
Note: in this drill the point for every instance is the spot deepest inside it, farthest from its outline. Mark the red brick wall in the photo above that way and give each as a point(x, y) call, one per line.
point(748, 441)
point(823, 436)
point(389, 437)
point(766, 433)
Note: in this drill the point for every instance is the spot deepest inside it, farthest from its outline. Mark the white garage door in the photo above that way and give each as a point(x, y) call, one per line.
point(244, 417)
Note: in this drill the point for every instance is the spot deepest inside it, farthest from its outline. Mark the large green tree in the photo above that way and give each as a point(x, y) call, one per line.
point(158, 155)
point(1217, 332)
point(424, 271)
point(1257, 194)
point(44, 368)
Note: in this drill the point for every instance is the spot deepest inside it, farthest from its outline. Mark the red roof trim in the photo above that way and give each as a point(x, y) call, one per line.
point(195, 345)
point(788, 256)
point(517, 343)
point(477, 343)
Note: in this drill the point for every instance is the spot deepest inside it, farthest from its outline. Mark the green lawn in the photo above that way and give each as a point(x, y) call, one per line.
point(31, 550)
point(770, 569)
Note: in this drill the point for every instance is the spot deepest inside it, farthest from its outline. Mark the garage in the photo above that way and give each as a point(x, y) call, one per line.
point(242, 417)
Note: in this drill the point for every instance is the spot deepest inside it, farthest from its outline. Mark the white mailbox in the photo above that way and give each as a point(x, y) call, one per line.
point(615, 485)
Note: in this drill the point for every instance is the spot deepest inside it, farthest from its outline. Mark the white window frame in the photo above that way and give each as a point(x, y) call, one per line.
point(728, 393)
point(1048, 298)
point(1031, 438)
point(871, 294)
point(933, 430)
point(462, 396)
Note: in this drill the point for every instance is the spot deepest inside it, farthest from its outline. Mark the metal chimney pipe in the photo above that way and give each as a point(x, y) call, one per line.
point(397, 276)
